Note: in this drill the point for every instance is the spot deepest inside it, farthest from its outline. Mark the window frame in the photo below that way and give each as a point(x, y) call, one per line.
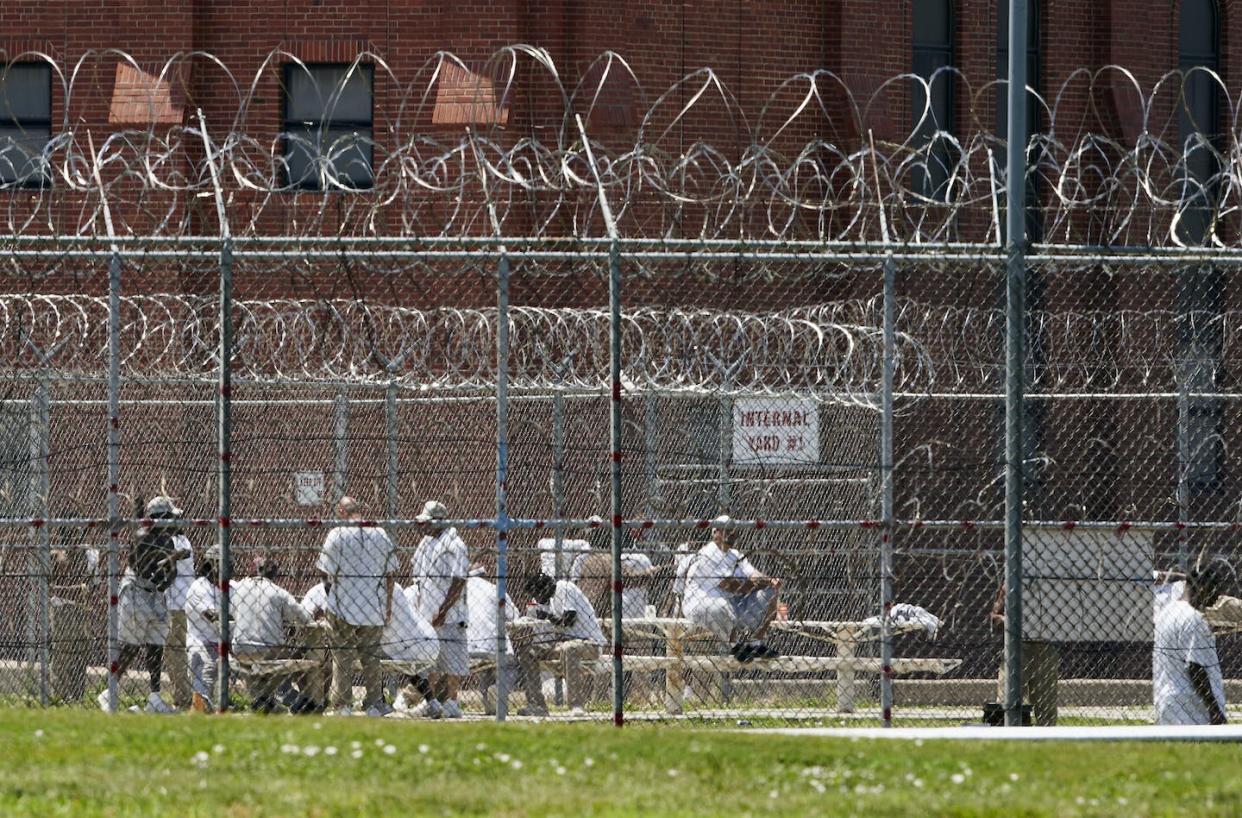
point(40, 180)
point(946, 51)
point(314, 183)
point(1034, 113)
point(1201, 289)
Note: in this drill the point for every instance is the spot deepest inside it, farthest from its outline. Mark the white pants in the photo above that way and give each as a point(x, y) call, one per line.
point(204, 665)
point(142, 615)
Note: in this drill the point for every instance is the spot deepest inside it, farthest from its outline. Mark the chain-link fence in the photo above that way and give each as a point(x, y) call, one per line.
point(613, 402)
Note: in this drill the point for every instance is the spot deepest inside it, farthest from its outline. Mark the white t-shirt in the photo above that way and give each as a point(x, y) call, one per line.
point(1182, 637)
point(634, 599)
point(481, 633)
point(408, 637)
point(358, 561)
point(174, 597)
point(260, 609)
point(1165, 592)
point(437, 562)
point(315, 600)
point(202, 596)
point(569, 597)
point(571, 552)
point(684, 560)
point(708, 569)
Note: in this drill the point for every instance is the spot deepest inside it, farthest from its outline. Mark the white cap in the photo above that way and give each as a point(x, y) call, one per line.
point(161, 506)
point(432, 510)
point(721, 521)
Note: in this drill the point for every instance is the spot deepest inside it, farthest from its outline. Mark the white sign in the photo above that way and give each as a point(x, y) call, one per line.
point(775, 431)
point(1087, 585)
point(308, 487)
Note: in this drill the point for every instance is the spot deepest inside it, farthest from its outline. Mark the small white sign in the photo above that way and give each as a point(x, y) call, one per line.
point(308, 487)
point(775, 431)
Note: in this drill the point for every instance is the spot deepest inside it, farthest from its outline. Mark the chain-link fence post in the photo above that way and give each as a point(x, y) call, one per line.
point(1184, 457)
point(225, 443)
point(390, 441)
point(558, 477)
point(39, 627)
point(614, 426)
point(558, 496)
point(224, 430)
point(502, 476)
point(340, 442)
point(1015, 359)
point(886, 495)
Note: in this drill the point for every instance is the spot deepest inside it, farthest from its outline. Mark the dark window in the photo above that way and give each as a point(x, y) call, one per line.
point(25, 124)
point(1034, 112)
point(1200, 290)
point(1198, 115)
point(933, 51)
point(328, 126)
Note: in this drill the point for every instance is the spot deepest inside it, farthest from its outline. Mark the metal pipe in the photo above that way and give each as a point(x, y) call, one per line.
point(1183, 461)
point(1015, 314)
point(225, 434)
point(1041, 251)
point(114, 476)
point(650, 419)
point(589, 523)
point(886, 495)
point(502, 477)
point(558, 502)
point(614, 430)
point(340, 441)
point(39, 451)
point(558, 480)
point(390, 438)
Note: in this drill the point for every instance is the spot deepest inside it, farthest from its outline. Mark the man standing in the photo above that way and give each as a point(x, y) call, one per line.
point(202, 631)
point(74, 570)
point(141, 610)
point(1187, 687)
point(359, 565)
point(1041, 669)
point(728, 597)
point(174, 598)
point(440, 567)
point(263, 613)
point(575, 638)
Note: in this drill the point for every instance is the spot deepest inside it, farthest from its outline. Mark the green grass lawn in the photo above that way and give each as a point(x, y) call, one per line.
point(88, 764)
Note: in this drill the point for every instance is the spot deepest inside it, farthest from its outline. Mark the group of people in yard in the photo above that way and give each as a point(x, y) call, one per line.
point(359, 622)
point(429, 624)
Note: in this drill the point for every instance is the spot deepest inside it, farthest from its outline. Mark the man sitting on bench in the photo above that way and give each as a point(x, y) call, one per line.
point(264, 614)
point(728, 597)
point(575, 638)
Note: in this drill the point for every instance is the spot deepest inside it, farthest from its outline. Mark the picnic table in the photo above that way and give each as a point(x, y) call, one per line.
point(846, 636)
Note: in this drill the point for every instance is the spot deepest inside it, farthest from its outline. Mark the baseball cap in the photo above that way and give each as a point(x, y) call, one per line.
point(162, 506)
point(432, 510)
point(721, 521)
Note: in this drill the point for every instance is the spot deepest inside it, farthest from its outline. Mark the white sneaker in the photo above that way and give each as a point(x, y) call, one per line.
point(451, 709)
point(156, 704)
point(379, 711)
point(577, 711)
point(339, 712)
point(104, 704)
point(429, 709)
point(400, 704)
